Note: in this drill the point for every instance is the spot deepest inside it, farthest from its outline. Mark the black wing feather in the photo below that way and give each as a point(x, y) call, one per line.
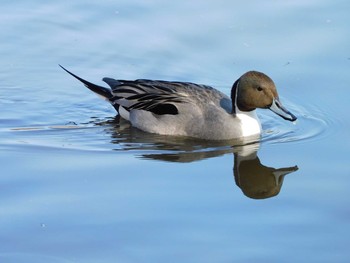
point(158, 97)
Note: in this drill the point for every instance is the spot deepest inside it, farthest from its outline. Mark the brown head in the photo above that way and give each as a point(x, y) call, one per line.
point(256, 90)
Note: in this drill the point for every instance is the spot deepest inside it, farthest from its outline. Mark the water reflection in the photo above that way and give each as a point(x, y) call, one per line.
point(256, 180)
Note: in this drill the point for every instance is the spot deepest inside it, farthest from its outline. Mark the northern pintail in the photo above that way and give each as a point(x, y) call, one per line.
point(189, 109)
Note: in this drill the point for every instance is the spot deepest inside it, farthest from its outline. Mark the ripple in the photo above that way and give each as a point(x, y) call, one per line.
point(112, 134)
point(312, 124)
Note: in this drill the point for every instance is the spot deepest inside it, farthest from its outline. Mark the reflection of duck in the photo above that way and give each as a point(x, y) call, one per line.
point(188, 109)
point(253, 178)
point(256, 180)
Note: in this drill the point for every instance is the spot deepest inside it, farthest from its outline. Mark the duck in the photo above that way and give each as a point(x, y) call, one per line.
point(199, 111)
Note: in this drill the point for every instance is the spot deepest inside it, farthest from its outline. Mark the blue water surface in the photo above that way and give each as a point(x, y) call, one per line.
point(78, 184)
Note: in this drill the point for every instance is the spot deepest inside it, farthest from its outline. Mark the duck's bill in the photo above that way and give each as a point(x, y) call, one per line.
point(277, 108)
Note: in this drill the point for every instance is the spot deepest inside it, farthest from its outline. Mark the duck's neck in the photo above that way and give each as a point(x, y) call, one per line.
point(250, 122)
point(234, 96)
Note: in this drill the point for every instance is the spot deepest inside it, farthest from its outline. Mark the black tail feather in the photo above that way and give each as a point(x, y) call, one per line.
point(104, 92)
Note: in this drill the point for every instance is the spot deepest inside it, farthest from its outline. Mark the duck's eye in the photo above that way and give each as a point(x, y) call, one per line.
point(259, 88)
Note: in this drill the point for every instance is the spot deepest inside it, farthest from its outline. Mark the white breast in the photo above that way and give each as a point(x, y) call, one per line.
point(249, 122)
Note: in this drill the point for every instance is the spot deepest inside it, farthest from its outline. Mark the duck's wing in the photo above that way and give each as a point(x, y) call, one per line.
point(159, 97)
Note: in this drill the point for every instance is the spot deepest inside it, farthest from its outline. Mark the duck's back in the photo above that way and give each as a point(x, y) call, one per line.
point(151, 95)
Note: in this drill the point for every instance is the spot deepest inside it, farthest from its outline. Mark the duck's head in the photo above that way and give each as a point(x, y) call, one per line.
point(256, 90)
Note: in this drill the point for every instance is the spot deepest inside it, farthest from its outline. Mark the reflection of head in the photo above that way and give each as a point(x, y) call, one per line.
point(258, 181)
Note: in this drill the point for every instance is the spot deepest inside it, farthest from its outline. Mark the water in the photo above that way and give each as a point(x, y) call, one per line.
point(80, 185)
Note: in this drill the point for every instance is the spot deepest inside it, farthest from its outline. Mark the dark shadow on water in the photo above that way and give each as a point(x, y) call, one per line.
point(256, 180)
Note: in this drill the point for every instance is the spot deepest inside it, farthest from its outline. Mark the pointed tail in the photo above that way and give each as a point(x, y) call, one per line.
point(102, 91)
